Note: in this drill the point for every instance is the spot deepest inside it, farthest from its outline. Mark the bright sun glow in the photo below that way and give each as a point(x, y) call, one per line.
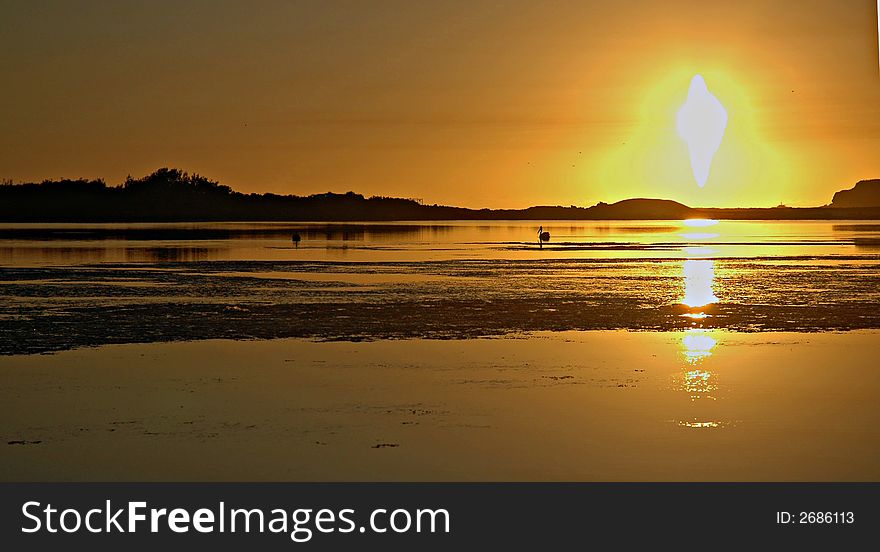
point(651, 159)
point(701, 123)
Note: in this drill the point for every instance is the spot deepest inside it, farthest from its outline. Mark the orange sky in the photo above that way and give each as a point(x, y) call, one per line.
point(498, 104)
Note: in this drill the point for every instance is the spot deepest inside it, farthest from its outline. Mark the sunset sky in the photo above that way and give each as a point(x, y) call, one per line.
point(497, 104)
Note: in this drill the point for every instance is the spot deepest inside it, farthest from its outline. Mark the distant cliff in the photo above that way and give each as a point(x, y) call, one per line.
point(866, 193)
point(171, 195)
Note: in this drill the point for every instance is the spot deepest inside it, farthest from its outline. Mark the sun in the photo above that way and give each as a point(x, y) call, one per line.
point(697, 134)
point(701, 123)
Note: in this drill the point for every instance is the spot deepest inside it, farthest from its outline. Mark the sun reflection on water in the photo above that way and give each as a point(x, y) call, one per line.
point(700, 425)
point(699, 223)
point(697, 345)
point(696, 379)
point(694, 236)
point(699, 277)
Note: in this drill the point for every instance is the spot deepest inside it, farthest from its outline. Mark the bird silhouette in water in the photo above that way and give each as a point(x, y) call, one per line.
point(296, 238)
point(542, 237)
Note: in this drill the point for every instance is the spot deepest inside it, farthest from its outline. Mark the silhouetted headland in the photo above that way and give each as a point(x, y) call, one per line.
point(172, 195)
point(866, 193)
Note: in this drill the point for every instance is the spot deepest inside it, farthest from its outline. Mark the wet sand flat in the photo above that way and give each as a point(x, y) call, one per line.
point(52, 309)
point(584, 406)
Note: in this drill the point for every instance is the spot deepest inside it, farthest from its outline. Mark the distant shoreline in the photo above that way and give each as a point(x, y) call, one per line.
point(714, 214)
point(171, 195)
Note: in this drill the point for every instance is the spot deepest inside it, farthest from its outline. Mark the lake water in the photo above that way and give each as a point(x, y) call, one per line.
point(637, 350)
point(73, 244)
point(59, 284)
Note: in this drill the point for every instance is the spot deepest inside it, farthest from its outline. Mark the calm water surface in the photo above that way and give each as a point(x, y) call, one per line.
point(66, 244)
point(737, 372)
point(60, 284)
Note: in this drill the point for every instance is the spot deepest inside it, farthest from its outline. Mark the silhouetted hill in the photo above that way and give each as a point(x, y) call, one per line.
point(641, 208)
point(866, 193)
point(171, 195)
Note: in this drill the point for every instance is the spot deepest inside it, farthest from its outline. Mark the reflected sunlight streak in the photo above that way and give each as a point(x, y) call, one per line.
point(699, 275)
point(697, 381)
point(699, 251)
point(699, 223)
point(700, 236)
point(696, 346)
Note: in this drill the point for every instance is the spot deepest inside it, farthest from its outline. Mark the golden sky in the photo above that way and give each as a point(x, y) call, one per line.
point(497, 104)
